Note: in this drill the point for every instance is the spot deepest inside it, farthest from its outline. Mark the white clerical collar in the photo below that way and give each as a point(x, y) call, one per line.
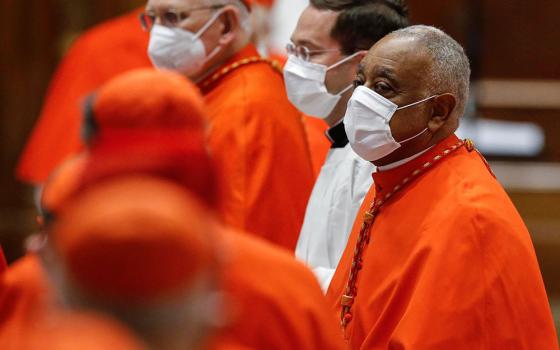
point(402, 161)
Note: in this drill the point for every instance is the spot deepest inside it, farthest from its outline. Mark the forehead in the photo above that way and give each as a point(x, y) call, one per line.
point(175, 4)
point(403, 56)
point(314, 27)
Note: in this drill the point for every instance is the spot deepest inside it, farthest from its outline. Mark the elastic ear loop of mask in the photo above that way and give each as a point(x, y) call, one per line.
point(208, 24)
point(205, 28)
point(413, 137)
point(345, 59)
point(410, 105)
point(415, 103)
point(342, 61)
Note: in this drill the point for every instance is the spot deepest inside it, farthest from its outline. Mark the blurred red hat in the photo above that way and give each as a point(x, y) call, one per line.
point(148, 121)
point(169, 155)
point(147, 99)
point(62, 184)
point(133, 239)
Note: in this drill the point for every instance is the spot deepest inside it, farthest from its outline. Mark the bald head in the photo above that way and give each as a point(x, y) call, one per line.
point(448, 68)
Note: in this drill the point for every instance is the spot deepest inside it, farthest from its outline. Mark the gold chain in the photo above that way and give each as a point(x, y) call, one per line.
point(237, 64)
point(351, 290)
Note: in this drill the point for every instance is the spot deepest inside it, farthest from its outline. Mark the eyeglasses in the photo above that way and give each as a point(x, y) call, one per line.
point(171, 17)
point(303, 52)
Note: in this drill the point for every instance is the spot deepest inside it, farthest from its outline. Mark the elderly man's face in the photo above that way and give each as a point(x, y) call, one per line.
point(396, 69)
point(191, 20)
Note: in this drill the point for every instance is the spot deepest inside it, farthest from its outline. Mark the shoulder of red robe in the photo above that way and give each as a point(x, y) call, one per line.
point(248, 3)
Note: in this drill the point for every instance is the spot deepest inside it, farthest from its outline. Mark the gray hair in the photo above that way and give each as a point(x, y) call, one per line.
point(244, 15)
point(450, 70)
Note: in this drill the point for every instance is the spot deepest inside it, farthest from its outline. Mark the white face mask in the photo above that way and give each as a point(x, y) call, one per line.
point(178, 49)
point(367, 124)
point(305, 86)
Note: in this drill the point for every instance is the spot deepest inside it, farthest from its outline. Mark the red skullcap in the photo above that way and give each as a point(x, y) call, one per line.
point(133, 240)
point(148, 99)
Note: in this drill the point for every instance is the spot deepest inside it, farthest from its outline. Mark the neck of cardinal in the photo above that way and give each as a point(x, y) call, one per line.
point(402, 161)
point(238, 54)
point(213, 66)
point(339, 110)
point(224, 55)
point(389, 176)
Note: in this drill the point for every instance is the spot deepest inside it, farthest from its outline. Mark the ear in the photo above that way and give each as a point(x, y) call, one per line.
point(356, 60)
point(354, 64)
point(89, 125)
point(230, 24)
point(36, 242)
point(443, 107)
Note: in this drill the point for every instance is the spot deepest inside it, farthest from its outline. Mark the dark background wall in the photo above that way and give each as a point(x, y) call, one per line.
point(33, 36)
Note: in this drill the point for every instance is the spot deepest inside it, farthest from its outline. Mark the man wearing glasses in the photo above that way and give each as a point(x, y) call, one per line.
point(329, 41)
point(255, 134)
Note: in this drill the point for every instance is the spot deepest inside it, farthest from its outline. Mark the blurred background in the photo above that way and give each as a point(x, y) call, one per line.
point(514, 114)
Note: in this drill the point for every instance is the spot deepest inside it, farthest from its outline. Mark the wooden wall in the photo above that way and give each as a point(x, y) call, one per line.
point(506, 39)
point(33, 37)
point(27, 37)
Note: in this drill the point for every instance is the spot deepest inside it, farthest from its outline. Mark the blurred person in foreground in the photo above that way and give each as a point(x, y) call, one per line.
point(440, 258)
point(123, 140)
point(140, 249)
point(129, 135)
point(31, 316)
point(329, 41)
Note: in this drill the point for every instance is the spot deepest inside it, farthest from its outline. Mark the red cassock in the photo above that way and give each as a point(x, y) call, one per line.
point(284, 309)
point(25, 296)
point(449, 263)
point(258, 140)
point(3, 263)
point(101, 53)
point(277, 302)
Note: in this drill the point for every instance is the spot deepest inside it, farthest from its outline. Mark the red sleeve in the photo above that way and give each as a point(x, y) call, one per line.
point(98, 55)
